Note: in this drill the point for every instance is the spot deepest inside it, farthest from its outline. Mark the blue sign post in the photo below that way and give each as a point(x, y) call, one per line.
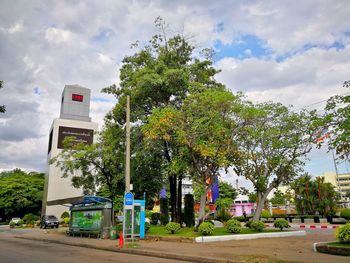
point(128, 213)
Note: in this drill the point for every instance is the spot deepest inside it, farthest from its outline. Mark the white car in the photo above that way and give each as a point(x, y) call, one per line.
point(15, 220)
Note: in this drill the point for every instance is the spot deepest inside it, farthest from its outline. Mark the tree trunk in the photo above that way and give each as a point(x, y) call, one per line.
point(172, 184)
point(202, 203)
point(179, 200)
point(260, 204)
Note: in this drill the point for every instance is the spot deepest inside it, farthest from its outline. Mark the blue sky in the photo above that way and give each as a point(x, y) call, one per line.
point(294, 53)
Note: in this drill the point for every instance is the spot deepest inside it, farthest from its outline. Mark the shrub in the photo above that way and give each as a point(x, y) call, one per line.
point(12, 224)
point(66, 220)
point(164, 210)
point(155, 218)
point(233, 226)
point(265, 214)
point(206, 228)
point(147, 227)
point(239, 218)
point(257, 226)
point(281, 223)
point(173, 227)
point(223, 216)
point(189, 210)
point(343, 233)
point(21, 222)
point(149, 214)
point(64, 215)
point(345, 213)
point(30, 218)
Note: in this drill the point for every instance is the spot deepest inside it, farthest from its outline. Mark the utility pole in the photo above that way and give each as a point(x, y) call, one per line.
point(127, 152)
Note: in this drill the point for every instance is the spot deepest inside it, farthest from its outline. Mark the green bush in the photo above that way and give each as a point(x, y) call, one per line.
point(155, 218)
point(345, 213)
point(64, 215)
point(12, 224)
point(66, 220)
point(233, 226)
point(21, 222)
point(343, 233)
point(257, 226)
point(147, 227)
point(281, 223)
point(223, 216)
point(30, 218)
point(239, 218)
point(189, 210)
point(173, 227)
point(149, 214)
point(206, 228)
point(265, 214)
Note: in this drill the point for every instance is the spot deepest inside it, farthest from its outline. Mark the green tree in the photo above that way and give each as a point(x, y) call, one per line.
point(278, 198)
point(2, 107)
point(161, 74)
point(203, 127)
point(313, 196)
point(273, 142)
point(20, 193)
point(96, 165)
point(337, 122)
point(227, 190)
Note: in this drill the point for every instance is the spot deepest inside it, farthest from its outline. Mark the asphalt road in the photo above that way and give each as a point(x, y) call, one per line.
point(14, 250)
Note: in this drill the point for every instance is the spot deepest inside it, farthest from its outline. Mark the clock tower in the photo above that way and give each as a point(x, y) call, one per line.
point(74, 121)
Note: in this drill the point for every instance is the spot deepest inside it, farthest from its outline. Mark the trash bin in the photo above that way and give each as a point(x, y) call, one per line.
point(112, 233)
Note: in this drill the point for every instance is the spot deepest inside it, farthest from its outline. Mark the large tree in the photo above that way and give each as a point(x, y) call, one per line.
point(273, 142)
point(2, 107)
point(336, 123)
point(160, 74)
point(202, 127)
point(20, 193)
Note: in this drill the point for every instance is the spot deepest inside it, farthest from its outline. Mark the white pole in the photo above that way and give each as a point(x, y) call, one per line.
point(127, 153)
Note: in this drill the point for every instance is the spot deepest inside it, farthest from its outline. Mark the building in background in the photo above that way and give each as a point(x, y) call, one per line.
point(341, 183)
point(74, 121)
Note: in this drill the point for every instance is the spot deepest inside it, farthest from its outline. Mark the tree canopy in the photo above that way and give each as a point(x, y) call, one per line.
point(273, 142)
point(313, 196)
point(337, 122)
point(20, 193)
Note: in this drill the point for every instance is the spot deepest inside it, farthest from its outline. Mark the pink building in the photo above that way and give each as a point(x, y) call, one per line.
point(241, 205)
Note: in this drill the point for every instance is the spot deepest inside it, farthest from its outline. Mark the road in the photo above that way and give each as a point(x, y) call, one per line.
point(14, 250)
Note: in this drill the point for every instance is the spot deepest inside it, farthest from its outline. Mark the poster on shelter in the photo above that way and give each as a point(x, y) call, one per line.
point(86, 219)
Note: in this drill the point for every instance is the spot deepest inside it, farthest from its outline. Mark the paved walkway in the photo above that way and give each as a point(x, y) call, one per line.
point(291, 249)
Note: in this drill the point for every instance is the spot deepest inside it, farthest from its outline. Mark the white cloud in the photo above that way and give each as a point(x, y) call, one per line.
point(48, 44)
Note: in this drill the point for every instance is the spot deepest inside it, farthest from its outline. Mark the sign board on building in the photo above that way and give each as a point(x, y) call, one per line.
point(85, 136)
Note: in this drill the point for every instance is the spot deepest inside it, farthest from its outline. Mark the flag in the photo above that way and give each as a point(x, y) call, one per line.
point(321, 135)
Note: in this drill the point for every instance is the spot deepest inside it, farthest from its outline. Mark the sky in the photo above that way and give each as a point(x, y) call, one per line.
point(293, 52)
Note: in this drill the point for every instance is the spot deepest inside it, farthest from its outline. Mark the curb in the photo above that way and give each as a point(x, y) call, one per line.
point(204, 239)
point(315, 226)
point(311, 226)
point(137, 251)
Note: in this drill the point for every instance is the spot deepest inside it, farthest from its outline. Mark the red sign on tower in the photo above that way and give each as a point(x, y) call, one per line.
point(77, 97)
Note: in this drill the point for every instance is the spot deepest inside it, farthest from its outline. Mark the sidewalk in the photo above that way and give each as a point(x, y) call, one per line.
point(291, 249)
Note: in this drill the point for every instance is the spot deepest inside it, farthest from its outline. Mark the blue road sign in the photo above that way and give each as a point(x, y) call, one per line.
point(128, 199)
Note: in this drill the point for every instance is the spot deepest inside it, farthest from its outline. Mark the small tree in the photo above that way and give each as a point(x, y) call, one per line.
point(189, 210)
point(164, 211)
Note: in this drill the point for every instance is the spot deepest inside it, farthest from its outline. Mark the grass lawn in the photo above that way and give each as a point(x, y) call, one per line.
point(338, 244)
point(188, 232)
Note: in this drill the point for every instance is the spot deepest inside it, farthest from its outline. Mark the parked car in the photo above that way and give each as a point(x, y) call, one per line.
point(15, 220)
point(49, 221)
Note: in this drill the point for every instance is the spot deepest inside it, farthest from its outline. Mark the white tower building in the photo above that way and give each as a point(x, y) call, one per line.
point(74, 121)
